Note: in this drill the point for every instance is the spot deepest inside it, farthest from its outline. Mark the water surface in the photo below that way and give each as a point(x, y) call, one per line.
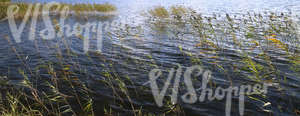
point(128, 56)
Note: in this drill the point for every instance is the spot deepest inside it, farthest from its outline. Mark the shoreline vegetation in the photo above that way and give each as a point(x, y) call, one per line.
point(65, 92)
point(77, 9)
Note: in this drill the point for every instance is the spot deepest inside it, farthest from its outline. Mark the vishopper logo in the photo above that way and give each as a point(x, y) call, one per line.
point(58, 29)
point(191, 96)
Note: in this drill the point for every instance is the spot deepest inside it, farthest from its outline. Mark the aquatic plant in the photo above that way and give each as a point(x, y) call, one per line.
point(78, 8)
point(5, 1)
point(3, 9)
point(160, 12)
point(179, 11)
point(4, 6)
point(104, 7)
point(244, 44)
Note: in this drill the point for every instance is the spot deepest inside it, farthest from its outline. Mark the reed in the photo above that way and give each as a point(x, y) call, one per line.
point(104, 7)
point(5, 0)
point(160, 12)
point(179, 10)
point(3, 10)
point(78, 8)
point(252, 37)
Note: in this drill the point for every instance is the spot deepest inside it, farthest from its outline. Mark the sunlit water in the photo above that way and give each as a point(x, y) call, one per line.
point(129, 54)
point(234, 6)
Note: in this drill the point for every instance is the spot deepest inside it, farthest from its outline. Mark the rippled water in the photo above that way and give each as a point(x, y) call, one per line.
point(233, 6)
point(128, 55)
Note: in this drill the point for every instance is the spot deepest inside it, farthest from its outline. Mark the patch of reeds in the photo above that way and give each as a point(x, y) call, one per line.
point(160, 12)
point(5, 0)
point(254, 37)
point(104, 7)
point(78, 8)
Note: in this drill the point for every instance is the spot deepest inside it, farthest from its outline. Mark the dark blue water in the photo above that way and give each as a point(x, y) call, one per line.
point(128, 55)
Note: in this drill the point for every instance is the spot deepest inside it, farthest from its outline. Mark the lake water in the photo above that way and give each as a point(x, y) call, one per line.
point(128, 56)
point(201, 5)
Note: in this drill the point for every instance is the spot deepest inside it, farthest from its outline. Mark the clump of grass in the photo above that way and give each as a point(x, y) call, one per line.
point(178, 10)
point(26, 99)
point(3, 9)
point(87, 8)
point(81, 7)
point(104, 7)
point(93, 7)
point(78, 8)
point(5, 1)
point(23, 7)
point(160, 12)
